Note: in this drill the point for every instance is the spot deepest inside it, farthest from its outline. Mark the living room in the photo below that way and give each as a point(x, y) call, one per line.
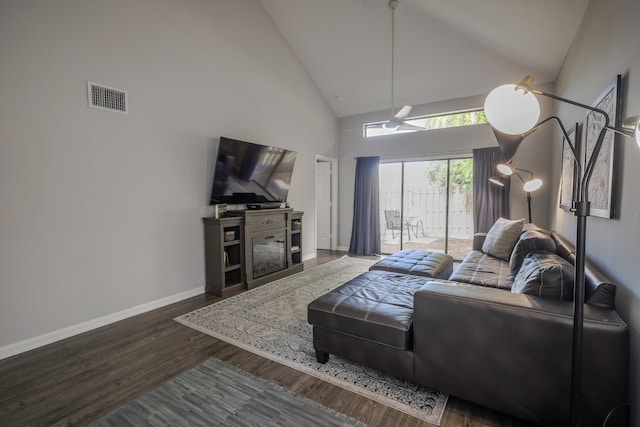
point(100, 213)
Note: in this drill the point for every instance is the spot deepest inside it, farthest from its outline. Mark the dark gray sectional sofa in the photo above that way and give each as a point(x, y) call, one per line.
point(473, 336)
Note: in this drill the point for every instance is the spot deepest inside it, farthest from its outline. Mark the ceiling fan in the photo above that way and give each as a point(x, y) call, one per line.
point(397, 121)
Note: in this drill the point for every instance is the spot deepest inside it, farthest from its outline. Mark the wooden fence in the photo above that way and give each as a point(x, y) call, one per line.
point(427, 205)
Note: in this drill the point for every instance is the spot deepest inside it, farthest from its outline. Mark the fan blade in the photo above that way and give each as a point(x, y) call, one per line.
point(407, 126)
point(402, 114)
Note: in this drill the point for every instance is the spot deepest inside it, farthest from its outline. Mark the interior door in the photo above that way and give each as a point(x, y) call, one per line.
point(323, 205)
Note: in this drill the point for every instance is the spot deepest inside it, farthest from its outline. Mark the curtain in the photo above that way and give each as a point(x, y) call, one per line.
point(490, 201)
point(365, 229)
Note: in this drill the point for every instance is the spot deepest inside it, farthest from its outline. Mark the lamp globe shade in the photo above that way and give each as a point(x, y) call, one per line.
point(511, 110)
point(632, 126)
point(497, 181)
point(505, 169)
point(532, 185)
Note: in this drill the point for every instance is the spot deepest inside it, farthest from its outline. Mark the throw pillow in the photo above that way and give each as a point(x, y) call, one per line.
point(502, 237)
point(529, 241)
point(546, 275)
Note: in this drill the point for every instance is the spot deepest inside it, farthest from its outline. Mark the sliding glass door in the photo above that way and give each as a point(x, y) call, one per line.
point(427, 205)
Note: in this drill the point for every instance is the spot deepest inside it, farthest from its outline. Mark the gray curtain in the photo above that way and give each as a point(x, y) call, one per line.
point(365, 229)
point(490, 201)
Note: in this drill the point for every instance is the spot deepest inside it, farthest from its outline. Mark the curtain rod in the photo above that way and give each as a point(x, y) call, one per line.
point(415, 156)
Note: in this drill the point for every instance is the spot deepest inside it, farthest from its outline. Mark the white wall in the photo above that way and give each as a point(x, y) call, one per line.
point(606, 45)
point(533, 154)
point(101, 212)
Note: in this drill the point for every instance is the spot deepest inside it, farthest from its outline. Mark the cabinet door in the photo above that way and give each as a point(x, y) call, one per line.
point(296, 238)
point(224, 255)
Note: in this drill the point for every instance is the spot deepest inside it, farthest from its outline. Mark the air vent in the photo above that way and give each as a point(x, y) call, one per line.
point(107, 98)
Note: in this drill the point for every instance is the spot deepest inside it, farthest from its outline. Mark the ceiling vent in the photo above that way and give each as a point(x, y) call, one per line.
point(107, 98)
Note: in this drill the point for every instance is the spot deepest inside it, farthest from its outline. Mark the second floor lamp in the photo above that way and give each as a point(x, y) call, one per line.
point(507, 171)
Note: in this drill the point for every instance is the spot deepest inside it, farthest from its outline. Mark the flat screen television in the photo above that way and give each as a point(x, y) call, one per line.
point(249, 173)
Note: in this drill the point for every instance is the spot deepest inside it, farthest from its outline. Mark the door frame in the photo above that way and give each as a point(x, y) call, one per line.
point(448, 158)
point(334, 202)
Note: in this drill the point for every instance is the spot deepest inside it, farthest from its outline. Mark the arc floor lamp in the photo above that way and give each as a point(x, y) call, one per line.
point(514, 111)
point(530, 185)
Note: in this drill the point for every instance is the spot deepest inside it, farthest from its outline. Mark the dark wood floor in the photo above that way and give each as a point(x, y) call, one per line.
point(80, 379)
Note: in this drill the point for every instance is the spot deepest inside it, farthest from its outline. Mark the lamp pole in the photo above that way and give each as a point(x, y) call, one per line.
point(581, 209)
point(513, 109)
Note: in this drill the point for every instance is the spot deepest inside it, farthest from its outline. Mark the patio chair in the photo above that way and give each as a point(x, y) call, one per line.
point(417, 225)
point(394, 222)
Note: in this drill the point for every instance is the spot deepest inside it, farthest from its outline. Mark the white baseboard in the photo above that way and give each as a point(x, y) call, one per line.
point(343, 248)
point(51, 337)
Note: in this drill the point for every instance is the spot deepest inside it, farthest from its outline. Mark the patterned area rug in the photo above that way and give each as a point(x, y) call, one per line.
point(215, 393)
point(271, 321)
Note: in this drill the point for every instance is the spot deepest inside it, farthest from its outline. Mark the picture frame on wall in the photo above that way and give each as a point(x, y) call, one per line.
point(568, 179)
point(601, 185)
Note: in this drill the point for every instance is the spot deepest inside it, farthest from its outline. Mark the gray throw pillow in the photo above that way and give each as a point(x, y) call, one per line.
point(502, 237)
point(529, 241)
point(545, 274)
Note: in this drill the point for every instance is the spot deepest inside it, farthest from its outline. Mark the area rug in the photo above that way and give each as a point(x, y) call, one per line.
point(271, 321)
point(215, 393)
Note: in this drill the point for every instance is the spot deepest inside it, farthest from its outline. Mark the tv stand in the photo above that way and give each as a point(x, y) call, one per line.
point(261, 245)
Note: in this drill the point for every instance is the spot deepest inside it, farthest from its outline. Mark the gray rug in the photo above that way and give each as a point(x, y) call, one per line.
point(215, 393)
point(271, 321)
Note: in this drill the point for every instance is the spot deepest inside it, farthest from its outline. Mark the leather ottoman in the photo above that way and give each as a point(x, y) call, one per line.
point(420, 263)
point(369, 319)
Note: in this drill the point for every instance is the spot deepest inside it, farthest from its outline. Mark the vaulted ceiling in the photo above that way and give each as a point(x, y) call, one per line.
point(444, 49)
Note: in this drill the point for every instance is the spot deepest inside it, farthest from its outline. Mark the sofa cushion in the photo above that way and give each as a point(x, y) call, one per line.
point(529, 241)
point(546, 275)
point(599, 291)
point(481, 269)
point(502, 237)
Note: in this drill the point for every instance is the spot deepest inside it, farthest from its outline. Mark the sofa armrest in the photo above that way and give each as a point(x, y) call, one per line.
point(513, 352)
point(478, 240)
